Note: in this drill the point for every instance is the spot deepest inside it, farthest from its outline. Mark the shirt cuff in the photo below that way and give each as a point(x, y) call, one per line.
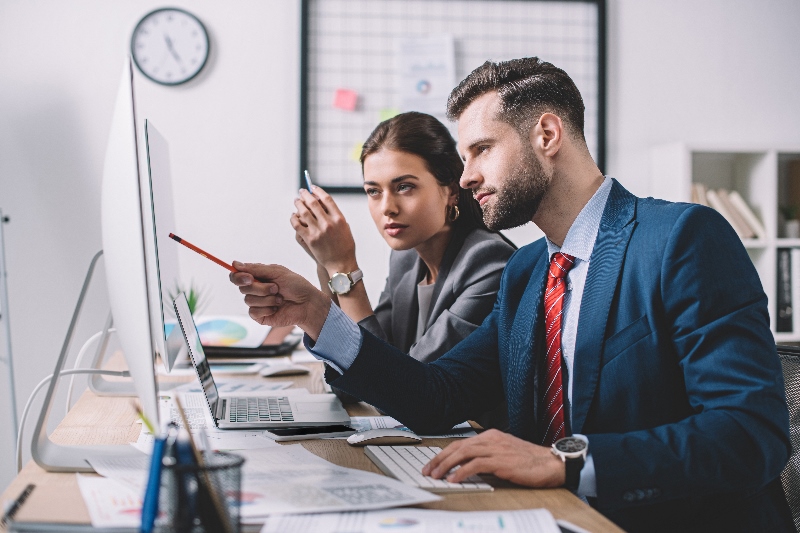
point(339, 340)
point(588, 484)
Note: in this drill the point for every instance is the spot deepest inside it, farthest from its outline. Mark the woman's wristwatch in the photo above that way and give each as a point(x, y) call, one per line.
point(572, 451)
point(343, 283)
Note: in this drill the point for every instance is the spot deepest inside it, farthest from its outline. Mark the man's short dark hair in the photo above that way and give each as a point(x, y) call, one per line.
point(527, 88)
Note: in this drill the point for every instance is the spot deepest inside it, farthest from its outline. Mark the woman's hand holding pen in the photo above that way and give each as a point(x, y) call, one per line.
point(277, 296)
point(322, 230)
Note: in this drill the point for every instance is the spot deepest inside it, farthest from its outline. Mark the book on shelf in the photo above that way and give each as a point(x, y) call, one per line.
point(699, 194)
point(745, 230)
point(784, 319)
point(716, 202)
point(733, 208)
point(752, 220)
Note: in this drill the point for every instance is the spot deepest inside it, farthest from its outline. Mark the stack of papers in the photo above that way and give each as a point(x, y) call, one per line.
point(275, 480)
point(416, 520)
point(290, 479)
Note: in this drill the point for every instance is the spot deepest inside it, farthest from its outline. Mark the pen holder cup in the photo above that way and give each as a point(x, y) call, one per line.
point(201, 499)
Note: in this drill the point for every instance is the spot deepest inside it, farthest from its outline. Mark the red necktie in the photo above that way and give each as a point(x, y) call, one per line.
point(553, 397)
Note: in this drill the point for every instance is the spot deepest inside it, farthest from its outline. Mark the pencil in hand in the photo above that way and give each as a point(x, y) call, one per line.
point(202, 252)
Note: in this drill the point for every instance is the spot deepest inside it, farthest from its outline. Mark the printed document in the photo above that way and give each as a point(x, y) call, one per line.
point(364, 423)
point(110, 504)
point(290, 479)
point(416, 520)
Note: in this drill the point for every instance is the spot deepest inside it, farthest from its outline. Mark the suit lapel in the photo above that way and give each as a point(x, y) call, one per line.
point(605, 267)
point(522, 355)
point(404, 321)
point(450, 253)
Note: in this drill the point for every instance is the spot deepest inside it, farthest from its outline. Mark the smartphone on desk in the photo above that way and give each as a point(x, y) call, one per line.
point(305, 433)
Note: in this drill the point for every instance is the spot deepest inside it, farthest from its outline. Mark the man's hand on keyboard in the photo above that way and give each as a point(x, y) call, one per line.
point(500, 454)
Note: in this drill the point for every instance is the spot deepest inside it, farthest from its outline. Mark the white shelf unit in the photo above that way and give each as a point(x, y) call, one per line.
point(758, 173)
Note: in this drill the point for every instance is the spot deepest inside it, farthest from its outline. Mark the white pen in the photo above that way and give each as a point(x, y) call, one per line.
point(308, 180)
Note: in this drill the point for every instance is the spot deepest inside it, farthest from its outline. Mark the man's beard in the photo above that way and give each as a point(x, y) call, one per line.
point(517, 200)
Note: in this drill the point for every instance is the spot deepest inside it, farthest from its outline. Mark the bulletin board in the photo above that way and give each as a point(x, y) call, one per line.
point(351, 76)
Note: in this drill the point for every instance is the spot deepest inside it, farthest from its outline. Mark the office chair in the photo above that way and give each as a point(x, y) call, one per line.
point(790, 477)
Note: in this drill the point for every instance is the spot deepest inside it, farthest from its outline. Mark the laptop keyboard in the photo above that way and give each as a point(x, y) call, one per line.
point(196, 417)
point(269, 409)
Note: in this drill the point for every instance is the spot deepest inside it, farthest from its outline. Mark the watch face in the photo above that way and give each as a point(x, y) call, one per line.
point(170, 46)
point(340, 283)
point(570, 445)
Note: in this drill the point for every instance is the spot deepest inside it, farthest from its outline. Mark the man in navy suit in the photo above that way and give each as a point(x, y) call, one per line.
point(632, 344)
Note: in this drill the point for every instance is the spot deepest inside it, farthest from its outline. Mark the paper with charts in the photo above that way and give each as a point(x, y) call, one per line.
point(110, 504)
point(290, 479)
point(416, 521)
point(364, 423)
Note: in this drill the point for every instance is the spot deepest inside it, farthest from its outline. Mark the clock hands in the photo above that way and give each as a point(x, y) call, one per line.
point(171, 48)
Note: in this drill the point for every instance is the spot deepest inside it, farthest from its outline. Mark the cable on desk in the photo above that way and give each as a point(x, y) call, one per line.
point(45, 381)
point(78, 362)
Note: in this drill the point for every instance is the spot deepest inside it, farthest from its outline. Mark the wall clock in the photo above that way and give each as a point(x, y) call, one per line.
point(170, 46)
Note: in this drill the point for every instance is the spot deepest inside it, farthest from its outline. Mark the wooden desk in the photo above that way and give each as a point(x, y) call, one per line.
point(104, 420)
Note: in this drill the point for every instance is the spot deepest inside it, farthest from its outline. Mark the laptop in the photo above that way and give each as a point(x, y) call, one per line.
point(268, 411)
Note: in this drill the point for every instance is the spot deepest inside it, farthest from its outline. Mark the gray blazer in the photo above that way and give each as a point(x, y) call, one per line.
point(465, 291)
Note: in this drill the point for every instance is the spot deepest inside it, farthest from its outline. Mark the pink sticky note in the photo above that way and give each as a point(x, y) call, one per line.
point(345, 99)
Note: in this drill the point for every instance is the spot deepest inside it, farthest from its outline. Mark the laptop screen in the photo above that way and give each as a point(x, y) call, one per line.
point(196, 353)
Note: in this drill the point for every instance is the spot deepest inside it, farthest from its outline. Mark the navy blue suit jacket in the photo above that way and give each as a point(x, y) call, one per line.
point(676, 380)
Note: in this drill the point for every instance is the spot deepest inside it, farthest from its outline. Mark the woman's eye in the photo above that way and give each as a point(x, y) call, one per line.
point(371, 192)
point(405, 187)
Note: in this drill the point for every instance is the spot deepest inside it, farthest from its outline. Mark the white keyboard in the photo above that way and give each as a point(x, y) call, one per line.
point(405, 464)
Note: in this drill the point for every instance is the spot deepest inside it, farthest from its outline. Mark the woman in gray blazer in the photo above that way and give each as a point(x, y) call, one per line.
point(445, 266)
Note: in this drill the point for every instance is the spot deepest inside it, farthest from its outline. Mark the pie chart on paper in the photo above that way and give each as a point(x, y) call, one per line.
point(230, 331)
point(221, 332)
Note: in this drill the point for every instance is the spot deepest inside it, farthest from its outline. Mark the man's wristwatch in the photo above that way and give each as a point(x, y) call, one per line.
point(342, 283)
point(572, 450)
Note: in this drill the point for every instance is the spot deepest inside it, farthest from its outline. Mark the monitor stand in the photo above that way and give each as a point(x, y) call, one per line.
point(63, 458)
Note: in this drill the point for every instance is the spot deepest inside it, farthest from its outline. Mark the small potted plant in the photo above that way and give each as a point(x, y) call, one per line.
point(791, 225)
point(196, 305)
point(193, 298)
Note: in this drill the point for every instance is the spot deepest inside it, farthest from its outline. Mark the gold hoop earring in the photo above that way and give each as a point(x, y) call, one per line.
point(453, 213)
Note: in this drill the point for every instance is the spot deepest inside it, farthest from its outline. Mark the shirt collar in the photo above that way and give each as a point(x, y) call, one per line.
point(580, 238)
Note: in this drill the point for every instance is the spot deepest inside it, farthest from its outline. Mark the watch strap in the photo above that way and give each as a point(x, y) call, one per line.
point(573, 477)
point(355, 276)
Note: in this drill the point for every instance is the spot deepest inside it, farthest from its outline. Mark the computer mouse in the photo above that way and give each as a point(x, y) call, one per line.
point(381, 437)
point(282, 370)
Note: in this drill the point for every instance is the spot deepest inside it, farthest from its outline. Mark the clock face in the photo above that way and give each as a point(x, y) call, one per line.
point(170, 46)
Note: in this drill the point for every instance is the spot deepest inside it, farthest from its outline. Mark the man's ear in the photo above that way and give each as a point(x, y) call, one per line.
point(546, 136)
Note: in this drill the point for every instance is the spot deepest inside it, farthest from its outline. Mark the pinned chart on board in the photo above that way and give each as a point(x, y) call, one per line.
point(365, 61)
point(426, 73)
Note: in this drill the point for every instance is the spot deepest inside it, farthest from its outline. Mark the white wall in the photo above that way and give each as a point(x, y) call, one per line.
point(711, 70)
point(716, 71)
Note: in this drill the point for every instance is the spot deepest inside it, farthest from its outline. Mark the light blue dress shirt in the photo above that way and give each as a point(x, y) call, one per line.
point(340, 338)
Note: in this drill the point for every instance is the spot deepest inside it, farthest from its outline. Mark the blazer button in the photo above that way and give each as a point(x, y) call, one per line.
point(648, 494)
point(639, 494)
point(629, 497)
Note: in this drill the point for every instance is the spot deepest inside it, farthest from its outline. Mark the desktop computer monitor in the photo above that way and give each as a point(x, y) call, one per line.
point(131, 203)
point(126, 216)
point(161, 253)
